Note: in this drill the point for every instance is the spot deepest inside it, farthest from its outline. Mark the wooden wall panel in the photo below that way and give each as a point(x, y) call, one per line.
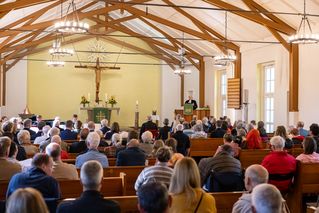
point(234, 93)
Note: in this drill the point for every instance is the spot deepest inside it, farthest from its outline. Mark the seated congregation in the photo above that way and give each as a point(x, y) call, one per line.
point(153, 170)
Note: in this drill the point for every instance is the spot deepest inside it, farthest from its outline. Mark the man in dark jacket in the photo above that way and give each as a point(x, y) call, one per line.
point(218, 132)
point(68, 133)
point(149, 126)
point(132, 155)
point(91, 199)
point(80, 146)
point(183, 143)
point(38, 177)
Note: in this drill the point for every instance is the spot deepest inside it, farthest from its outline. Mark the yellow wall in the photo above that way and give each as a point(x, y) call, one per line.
point(57, 91)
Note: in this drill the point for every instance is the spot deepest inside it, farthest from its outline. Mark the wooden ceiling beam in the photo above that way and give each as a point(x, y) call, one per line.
point(252, 17)
point(273, 31)
point(128, 31)
point(139, 49)
point(166, 22)
point(204, 28)
point(20, 4)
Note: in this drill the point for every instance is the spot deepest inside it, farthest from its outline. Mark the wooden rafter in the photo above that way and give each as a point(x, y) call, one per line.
point(283, 28)
point(256, 7)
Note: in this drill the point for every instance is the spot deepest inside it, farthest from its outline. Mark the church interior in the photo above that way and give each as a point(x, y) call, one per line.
point(244, 60)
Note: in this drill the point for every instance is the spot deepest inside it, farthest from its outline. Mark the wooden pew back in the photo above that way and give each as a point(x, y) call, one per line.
point(248, 157)
point(204, 147)
point(224, 202)
point(111, 186)
point(306, 181)
point(132, 172)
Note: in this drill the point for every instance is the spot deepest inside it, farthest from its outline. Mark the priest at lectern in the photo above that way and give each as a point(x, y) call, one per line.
point(191, 101)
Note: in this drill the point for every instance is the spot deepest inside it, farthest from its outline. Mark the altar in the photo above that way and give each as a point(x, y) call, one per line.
point(199, 113)
point(96, 114)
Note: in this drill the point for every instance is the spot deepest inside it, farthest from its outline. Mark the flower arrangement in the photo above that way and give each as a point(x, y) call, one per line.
point(84, 101)
point(112, 101)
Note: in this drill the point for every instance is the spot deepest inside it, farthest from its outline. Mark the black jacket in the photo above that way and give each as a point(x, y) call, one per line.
point(218, 133)
point(132, 156)
point(183, 142)
point(90, 201)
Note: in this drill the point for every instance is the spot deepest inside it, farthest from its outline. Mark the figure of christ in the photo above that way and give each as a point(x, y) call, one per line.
point(98, 69)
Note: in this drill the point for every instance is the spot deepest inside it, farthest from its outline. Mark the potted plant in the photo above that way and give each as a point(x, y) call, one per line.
point(112, 101)
point(84, 101)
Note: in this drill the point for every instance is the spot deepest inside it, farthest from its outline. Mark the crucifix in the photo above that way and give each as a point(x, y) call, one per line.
point(98, 69)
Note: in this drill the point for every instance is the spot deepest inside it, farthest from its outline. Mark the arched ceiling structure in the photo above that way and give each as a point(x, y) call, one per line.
point(26, 24)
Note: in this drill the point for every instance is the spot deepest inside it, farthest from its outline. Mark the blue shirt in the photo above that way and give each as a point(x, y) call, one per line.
point(68, 135)
point(91, 154)
point(35, 178)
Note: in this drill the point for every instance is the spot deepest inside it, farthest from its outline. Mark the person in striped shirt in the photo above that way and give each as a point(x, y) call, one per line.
point(160, 172)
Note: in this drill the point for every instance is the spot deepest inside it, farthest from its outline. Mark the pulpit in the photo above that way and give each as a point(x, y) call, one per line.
point(96, 114)
point(199, 113)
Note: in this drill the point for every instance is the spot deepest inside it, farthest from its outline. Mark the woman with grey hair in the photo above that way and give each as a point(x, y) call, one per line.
point(198, 132)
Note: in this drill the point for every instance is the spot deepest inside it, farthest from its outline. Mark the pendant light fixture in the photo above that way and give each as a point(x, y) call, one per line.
point(58, 50)
point(71, 24)
point(181, 70)
point(225, 57)
point(304, 33)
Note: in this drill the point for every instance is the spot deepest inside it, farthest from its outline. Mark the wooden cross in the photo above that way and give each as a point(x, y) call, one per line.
point(98, 69)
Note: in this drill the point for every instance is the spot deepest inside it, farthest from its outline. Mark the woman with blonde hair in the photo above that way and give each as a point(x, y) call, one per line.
point(186, 192)
point(27, 200)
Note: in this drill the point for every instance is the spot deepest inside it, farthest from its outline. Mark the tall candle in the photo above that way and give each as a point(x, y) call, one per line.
point(136, 102)
point(89, 96)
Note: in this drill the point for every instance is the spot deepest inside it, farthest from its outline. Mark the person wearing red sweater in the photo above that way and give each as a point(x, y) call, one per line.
point(280, 165)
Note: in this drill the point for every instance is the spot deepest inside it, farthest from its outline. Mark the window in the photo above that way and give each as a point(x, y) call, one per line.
point(223, 92)
point(268, 97)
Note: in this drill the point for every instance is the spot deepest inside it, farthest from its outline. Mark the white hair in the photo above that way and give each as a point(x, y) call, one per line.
point(46, 129)
point(54, 131)
point(147, 136)
point(93, 140)
point(53, 147)
point(278, 142)
point(104, 122)
point(56, 139)
point(257, 174)
point(179, 127)
point(116, 137)
point(266, 198)
point(91, 174)
point(56, 122)
point(22, 136)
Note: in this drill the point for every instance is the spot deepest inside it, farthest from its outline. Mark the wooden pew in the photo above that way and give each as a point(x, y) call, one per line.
point(111, 186)
point(224, 202)
point(132, 172)
point(204, 147)
point(112, 161)
point(306, 181)
point(248, 157)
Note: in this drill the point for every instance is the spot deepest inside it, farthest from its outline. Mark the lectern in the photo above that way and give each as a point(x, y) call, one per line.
point(199, 113)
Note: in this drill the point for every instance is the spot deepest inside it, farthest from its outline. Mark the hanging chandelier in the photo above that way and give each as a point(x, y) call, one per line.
point(304, 33)
point(71, 26)
point(181, 70)
point(55, 62)
point(57, 50)
point(225, 57)
point(219, 63)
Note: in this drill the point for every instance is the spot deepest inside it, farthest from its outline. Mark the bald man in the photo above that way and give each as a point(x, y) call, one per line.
point(266, 198)
point(254, 176)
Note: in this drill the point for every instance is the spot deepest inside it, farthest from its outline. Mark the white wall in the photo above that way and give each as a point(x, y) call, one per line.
point(170, 99)
point(16, 90)
point(308, 84)
point(250, 60)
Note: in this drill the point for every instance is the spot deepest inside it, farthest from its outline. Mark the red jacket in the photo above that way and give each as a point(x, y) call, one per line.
point(280, 163)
